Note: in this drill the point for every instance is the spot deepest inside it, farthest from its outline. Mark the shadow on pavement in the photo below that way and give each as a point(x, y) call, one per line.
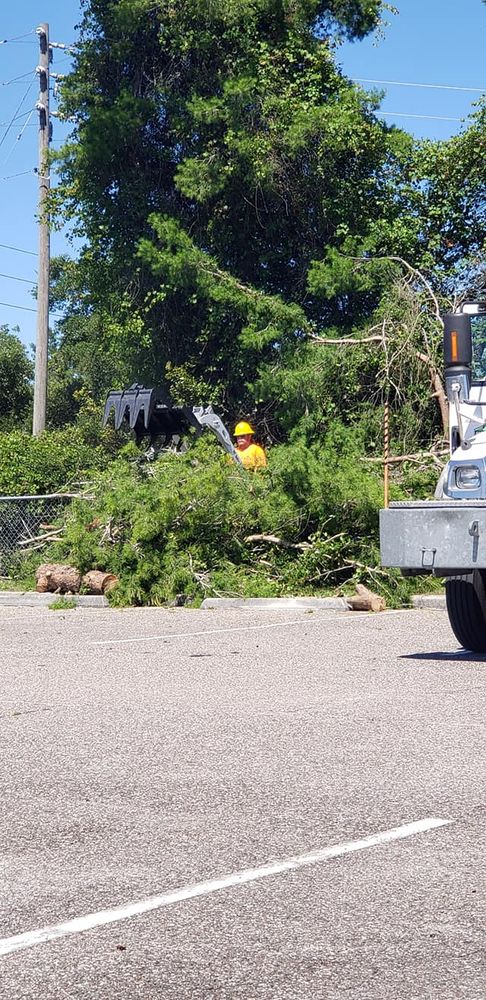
point(458, 655)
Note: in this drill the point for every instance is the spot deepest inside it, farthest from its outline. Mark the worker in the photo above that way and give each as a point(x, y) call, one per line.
point(251, 455)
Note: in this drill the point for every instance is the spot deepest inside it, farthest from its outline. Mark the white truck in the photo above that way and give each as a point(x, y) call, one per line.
point(446, 536)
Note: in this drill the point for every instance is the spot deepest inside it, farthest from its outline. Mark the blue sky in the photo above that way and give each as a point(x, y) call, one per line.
point(434, 42)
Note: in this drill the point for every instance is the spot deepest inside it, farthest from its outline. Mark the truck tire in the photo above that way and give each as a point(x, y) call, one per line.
point(466, 607)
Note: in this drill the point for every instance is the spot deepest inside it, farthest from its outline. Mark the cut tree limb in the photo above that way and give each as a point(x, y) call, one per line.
point(417, 458)
point(274, 540)
point(57, 578)
point(365, 600)
point(47, 537)
point(355, 341)
point(97, 582)
point(439, 391)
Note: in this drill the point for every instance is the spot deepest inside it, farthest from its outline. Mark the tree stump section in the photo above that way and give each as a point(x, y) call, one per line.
point(97, 582)
point(365, 600)
point(55, 578)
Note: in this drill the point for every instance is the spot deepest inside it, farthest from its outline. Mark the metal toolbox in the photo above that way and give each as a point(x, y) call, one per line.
point(434, 536)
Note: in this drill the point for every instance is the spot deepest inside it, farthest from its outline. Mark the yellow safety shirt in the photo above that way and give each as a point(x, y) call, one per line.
point(252, 457)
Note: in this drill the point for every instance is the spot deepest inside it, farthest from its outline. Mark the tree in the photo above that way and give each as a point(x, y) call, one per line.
point(16, 373)
point(218, 153)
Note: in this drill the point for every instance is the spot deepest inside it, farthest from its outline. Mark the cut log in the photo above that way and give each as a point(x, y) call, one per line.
point(365, 600)
point(57, 579)
point(97, 582)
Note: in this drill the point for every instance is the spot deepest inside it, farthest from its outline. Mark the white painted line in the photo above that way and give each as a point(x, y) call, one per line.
point(306, 619)
point(55, 931)
point(187, 635)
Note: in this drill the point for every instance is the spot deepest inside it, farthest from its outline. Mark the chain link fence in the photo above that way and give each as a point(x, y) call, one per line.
point(26, 524)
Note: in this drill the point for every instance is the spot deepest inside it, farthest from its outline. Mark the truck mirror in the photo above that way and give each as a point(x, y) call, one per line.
point(474, 308)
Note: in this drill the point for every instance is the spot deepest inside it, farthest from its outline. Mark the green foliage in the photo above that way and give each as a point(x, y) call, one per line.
point(450, 177)
point(229, 130)
point(302, 394)
point(52, 462)
point(196, 525)
point(16, 373)
point(63, 604)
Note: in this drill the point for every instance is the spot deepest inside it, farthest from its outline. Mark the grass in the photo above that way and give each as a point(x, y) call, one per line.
point(20, 584)
point(63, 604)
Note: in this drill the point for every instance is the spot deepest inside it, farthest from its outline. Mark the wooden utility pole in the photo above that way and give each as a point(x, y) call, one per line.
point(40, 384)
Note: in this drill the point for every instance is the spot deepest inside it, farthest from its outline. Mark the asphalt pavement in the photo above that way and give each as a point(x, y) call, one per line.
point(240, 805)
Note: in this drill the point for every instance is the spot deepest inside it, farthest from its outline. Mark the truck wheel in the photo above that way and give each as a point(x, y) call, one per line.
point(466, 607)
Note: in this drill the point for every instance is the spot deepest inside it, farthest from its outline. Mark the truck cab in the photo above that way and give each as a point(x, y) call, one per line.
point(446, 536)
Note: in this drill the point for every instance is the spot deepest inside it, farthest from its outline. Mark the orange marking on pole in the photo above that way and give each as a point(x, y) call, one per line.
point(454, 345)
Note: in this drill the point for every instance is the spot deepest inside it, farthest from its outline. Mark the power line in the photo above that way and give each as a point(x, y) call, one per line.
point(17, 38)
point(10, 305)
point(18, 138)
point(6, 246)
point(14, 278)
point(23, 115)
point(402, 114)
point(22, 173)
point(432, 86)
point(15, 79)
point(7, 130)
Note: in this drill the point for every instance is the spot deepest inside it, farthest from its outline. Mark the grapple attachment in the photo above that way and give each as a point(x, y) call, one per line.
point(149, 413)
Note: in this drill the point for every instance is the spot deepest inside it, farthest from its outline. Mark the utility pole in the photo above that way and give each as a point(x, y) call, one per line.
point(40, 384)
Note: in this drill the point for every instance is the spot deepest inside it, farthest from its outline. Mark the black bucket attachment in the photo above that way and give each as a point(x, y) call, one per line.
point(149, 413)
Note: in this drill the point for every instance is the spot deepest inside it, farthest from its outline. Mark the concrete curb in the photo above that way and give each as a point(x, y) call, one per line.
point(31, 599)
point(429, 601)
point(277, 603)
point(318, 603)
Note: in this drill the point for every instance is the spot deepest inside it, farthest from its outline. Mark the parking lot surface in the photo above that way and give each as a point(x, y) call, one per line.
point(234, 804)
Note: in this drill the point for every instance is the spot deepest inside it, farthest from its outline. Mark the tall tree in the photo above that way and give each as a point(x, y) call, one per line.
point(218, 152)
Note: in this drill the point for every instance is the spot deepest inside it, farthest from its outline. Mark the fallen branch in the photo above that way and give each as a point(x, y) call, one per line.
point(413, 271)
point(42, 538)
point(375, 339)
point(371, 570)
point(418, 458)
point(274, 540)
point(438, 389)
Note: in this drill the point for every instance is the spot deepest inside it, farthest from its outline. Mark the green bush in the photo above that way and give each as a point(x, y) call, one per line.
point(49, 463)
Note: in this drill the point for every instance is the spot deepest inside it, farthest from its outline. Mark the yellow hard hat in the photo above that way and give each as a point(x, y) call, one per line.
point(243, 428)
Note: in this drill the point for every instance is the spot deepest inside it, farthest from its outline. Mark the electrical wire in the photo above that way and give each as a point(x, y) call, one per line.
point(402, 114)
point(22, 173)
point(10, 305)
point(15, 79)
point(22, 130)
point(432, 86)
point(6, 246)
point(23, 115)
point(17, 38)
point(7, 130)
point(13, 277)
